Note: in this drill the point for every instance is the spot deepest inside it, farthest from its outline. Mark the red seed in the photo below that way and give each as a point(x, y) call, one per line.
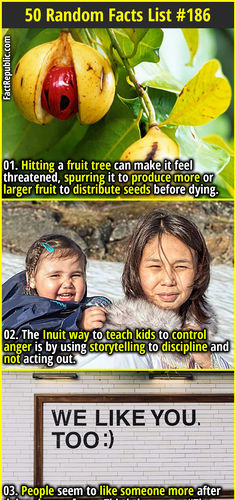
point(59, 94)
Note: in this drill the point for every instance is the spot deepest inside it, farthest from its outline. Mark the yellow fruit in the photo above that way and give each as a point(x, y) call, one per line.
point(95, 81)
point(155, 146)
point(94, 77)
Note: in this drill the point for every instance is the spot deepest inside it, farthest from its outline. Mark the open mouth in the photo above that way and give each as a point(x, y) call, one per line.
point(65, 296)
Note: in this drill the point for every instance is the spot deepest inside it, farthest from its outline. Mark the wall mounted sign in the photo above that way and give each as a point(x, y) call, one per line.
point(134, 440)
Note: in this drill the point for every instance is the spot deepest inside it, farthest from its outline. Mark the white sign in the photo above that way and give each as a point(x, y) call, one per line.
point(146, 443)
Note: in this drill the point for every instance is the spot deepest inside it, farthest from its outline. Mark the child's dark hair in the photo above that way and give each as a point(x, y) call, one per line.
point(46, 245)
point(158, 222)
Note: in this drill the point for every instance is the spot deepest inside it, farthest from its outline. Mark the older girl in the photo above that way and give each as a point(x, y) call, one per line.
point(166, 275)
point(168, 265)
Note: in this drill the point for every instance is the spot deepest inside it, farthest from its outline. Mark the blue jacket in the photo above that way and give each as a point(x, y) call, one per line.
point(20, 311)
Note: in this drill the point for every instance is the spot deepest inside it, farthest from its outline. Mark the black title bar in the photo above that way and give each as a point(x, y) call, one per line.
point(123, 15)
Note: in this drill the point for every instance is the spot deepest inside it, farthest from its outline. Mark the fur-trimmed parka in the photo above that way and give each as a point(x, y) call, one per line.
point(140, 314)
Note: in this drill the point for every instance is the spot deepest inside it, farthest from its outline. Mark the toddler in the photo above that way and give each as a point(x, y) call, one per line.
point(51, 293)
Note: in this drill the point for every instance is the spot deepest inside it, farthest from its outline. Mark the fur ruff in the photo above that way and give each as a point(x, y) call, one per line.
point(138, 313)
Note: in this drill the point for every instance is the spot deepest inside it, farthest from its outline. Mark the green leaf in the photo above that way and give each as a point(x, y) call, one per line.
point(191, 36)
point(163, 103)
point(125, 43)
point(206, 96)
point(216, 139)
point(123, 88)
point(207, 157)
point(148, 47)
point(107, 139)
point(225, 179)
point(16, 38)
point(136, 34)
point(43, 36)
point(23, 139)
point(63, 148)
point(144, 48)
point(133, 104)
point(157, 76)
point(102, 35)
point(80, 35)
point(25, 40)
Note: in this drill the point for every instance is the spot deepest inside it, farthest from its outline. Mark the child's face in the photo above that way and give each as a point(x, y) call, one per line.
point(167, 271)
point(59, 278)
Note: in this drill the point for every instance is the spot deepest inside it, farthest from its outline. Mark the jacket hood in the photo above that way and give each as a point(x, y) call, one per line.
point(139, 313)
